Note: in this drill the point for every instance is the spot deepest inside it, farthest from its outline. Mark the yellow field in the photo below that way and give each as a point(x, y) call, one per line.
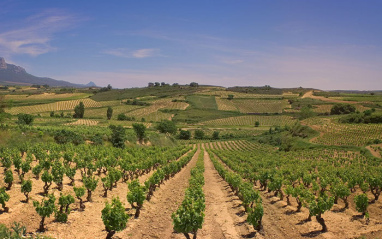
point(45, 96)
point(86, 122)
point(224, 94)
point(260, 106)
point(251, 119)
point(225, 104)
point(101, 112)
point(327, 108)
point(57, 106)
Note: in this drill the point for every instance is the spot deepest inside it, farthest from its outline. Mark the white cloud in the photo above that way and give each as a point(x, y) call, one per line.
point(32, 36)
point(127, 53)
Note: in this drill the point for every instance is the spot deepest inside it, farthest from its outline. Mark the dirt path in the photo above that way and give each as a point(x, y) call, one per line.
point(373, 152)
point(309, 94)
point(155, 218)
point(224, 217)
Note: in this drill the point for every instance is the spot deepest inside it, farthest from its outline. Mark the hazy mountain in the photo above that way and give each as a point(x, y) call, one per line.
point(16, 75)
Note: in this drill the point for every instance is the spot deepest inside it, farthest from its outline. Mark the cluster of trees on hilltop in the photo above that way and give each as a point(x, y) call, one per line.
point(157, 84)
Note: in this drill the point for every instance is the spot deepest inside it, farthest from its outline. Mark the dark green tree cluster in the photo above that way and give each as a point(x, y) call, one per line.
point(166, 126)
point(109, 112)
point(341, 109)
point(140, 131)
point(79, 110)
point(25, 119)
point(118, 136)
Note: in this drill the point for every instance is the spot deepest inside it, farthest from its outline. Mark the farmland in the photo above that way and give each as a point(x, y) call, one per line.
point(246, 164)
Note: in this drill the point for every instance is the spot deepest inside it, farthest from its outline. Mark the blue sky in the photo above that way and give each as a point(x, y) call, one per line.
point(321, 44)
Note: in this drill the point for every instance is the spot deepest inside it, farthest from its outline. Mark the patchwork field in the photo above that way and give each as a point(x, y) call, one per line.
point(241, 171)
point(251, 119)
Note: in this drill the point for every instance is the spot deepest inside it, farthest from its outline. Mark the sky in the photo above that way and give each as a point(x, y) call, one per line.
point(323, 44)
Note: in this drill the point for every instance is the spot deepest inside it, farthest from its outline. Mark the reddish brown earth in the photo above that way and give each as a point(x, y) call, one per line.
point(281, 220)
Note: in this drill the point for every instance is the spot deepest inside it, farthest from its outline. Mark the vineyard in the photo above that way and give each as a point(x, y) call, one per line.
point(334, 133)
point(251, 119)
point(192, 162)
point(57, 106)
point(254, 187)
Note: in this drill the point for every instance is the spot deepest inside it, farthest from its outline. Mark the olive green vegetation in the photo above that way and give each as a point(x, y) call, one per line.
point(132, 93)
point(18, 231)
point(193, 115)
point(202, 102)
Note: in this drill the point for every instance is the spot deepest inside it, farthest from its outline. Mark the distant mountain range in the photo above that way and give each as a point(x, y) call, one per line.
point(16, 75)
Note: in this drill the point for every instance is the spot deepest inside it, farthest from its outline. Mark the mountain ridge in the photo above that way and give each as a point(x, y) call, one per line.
point(16, 75)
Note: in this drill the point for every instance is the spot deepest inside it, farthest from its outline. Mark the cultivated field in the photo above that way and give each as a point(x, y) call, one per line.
point(237, 164)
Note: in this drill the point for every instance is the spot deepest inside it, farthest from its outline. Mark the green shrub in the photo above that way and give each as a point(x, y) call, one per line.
point(114, 217)
point(25, 119)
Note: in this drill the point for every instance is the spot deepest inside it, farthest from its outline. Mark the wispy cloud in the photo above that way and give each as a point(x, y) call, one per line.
point(127, 53)
point(33, 35)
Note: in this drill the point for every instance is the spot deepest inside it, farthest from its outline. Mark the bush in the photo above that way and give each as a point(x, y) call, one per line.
point(215, 135)
point(25, 119)
point(199, 134)
point(184, 134)
point(166, 126)
point(136, 195)
point(121, 117)
point(67, 136)
point(362, 202)
point(114, 217)
point(45, 209)
point(97, 139)
point(340, 109)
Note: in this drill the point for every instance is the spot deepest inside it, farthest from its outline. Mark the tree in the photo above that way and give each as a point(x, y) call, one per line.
point(114, 217)
point(194, 84)
point(215, 135)
point(339, 109)
point(140, 131)
point(257, 124)
point(25, 119)
point(136, 195)
point(109, 112)
point(109, 87)
point(118, 136)
point(157, 84)
point(166, 126)
point(151, 84)
point(199, 134)
point(79, 110)
point(45, 209)
point(306, 112)
point(184, 134)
